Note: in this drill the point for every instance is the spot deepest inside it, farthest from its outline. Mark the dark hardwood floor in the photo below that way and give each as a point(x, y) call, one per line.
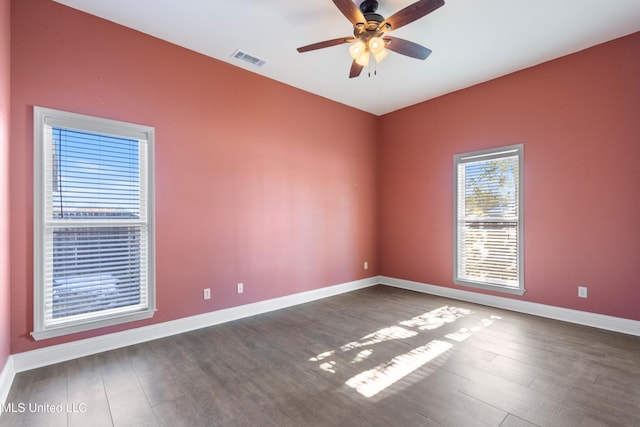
point(376, 357)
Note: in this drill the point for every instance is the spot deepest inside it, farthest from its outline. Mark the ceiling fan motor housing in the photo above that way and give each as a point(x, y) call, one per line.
point(373, 20)
point(368, 6)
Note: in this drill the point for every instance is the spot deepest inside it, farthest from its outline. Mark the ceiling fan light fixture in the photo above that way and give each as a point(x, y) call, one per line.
point(363, 59)
point(381, 55)
point(357, 49)
point(376, 45)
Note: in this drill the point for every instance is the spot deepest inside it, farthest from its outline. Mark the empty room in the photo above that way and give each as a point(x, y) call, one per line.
point(319, 213)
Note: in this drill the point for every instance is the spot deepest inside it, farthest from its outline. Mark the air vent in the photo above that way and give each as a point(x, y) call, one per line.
point(249, 58)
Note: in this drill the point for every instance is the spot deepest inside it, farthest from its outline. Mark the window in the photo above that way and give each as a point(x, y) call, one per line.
point(488, 219)
point(93, 223)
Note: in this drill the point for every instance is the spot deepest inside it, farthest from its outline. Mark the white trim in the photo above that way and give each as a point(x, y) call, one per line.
point(610, 323)
point(6, 379)
point(459, 218)
point(62, 352)
point(43, 324)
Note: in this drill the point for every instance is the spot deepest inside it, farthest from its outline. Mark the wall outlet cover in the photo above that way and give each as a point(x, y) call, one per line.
point(582, 291)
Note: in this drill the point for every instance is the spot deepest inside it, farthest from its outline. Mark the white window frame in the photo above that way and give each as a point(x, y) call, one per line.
point(44, 120)
point(489, 154)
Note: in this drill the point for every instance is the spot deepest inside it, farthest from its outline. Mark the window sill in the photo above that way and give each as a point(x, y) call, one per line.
point(90, 325)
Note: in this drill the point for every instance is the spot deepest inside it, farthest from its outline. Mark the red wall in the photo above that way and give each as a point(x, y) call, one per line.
point(256, 182)
point(578, 118)
point(5, 49)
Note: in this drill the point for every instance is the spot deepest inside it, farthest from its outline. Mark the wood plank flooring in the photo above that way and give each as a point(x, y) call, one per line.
point(375, 357)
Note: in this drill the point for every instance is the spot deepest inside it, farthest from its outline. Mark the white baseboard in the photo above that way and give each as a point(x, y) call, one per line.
point(59, 353)
point(6, 379)
point(616, 324)
point(32, 359)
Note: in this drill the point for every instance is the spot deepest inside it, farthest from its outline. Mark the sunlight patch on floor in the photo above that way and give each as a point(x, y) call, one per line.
point(328, 366)
point(363, 355)
point(373, 381)
point(322, 356)
point(464, 333)
point(386, 334)
point(436, 318)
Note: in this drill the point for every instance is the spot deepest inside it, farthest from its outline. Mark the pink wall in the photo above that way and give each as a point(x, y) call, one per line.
point(5, 49)
point(578, 119)
point(256, 182)
point(262, 183)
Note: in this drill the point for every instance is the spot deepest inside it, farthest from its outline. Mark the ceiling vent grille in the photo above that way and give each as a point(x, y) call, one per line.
point(243, 56)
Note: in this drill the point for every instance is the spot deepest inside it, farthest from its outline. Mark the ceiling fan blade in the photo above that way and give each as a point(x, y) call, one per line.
point(406, 47)
point(412, 13)
point(356, 69)
point(350, 10)
point(326, 43)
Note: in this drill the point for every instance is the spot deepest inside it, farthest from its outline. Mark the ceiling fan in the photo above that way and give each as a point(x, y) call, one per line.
point(369, 32)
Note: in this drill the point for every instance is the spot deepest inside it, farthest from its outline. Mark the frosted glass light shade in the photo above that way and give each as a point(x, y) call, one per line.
point(357, 49)
point(363, 59)
point(376, 45)
point(381, 55)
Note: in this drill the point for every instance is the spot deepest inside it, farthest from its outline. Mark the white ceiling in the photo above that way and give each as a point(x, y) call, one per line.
point(472, 40)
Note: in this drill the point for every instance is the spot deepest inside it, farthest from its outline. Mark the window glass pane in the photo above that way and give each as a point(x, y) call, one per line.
point(489, 251)
point(94, 175)
point(491, 188)
point(95, 269)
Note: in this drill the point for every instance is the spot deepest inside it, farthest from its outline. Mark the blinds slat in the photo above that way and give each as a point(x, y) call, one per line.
point(94, 269)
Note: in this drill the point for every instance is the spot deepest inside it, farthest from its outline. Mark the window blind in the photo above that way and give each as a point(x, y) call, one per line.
point(488, 219)
point(95, 226)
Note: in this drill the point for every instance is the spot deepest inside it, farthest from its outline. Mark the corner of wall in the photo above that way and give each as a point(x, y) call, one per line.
point(5, 86)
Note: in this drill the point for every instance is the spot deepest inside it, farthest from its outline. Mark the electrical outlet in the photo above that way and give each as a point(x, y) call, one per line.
point(240, 288)
point(366, 265)
point(582, 291)
point(207, 293)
